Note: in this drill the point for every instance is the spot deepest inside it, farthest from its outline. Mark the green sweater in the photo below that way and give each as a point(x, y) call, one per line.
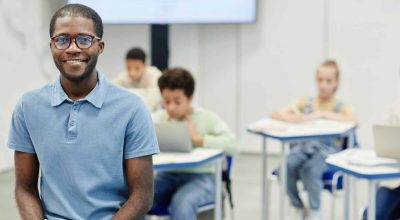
point(216, 134)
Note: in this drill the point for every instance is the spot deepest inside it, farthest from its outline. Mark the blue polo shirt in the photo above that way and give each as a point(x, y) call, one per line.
point(81, 146)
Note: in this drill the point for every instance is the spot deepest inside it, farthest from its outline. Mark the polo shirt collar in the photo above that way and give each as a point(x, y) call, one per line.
point(95, 97)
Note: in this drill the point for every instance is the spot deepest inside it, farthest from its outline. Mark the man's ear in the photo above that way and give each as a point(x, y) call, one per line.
point(101, 46)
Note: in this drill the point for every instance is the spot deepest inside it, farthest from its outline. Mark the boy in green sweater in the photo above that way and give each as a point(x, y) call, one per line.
point(186, 189)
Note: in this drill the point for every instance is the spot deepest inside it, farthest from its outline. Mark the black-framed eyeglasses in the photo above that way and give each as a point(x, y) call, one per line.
point(82, 41)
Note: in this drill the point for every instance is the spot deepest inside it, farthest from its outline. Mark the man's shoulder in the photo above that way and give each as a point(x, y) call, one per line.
point(42, 93)
point(120, 94)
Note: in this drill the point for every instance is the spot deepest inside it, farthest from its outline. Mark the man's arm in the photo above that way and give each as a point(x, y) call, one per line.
point(139, 173)
point(26, 187)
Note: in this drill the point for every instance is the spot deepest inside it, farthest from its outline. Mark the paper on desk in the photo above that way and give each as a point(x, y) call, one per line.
point(320, 126)
point(268, 124)
point(369, 158)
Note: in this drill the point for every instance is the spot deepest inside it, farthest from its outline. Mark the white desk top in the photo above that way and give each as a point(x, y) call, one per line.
point(363, 163)
point(284, 130)
point(197, 157)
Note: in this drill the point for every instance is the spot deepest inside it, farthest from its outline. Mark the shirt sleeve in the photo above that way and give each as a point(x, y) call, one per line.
point(298, 105)
point(220, 136)
point(140, 138)
point(121, 80)
point(347, 110)
point(19, 138)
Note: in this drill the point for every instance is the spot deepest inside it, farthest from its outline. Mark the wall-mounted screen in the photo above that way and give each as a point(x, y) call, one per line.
point(173, 11)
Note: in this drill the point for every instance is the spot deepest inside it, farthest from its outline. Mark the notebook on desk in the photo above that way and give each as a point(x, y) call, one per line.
point(173, 137)
point(387, 141)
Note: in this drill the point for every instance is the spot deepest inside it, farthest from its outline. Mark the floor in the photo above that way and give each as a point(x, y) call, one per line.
point(246, 177)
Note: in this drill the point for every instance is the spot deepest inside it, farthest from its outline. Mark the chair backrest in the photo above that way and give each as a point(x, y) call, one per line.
point(346, 143)
point(226, 177)
point(228, 167)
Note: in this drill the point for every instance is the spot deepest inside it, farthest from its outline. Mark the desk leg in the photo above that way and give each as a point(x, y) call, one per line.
point(283, 178)
point(218, 190)
point(347, 192)
point(264, 206)
point(372, 185)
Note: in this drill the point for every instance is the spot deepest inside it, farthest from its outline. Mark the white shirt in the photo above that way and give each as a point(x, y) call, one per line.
point(146, 87)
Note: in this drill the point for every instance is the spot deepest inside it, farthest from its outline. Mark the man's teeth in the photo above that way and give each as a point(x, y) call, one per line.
point(74, 61)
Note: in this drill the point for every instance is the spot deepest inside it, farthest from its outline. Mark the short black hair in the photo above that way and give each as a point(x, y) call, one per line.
point(78, 10)
point(136, 53)
point(177, 78)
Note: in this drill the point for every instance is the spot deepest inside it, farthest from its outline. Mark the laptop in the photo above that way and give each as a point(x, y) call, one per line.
point(173, 137)
point(387, 141)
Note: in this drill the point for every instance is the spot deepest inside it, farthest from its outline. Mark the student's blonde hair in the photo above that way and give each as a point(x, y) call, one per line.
point(332, 64)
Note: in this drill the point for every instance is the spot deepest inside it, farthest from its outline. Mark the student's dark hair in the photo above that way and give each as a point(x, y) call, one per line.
point(177, 78)
point(332, 64)
point(136, 53)
point(78, 10)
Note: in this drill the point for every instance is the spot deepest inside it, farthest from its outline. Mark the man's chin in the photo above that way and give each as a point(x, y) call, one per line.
point(75, 77)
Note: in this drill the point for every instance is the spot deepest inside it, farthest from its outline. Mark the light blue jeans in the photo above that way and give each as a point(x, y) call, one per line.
point(306, 162)
point(185, 192)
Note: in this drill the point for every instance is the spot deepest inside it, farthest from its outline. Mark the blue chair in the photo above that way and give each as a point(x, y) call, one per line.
point(333, 180)
point(162, 209)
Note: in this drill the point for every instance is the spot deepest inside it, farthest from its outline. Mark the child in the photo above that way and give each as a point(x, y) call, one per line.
point(140, 78)
point(306, 160)
point(187, 189)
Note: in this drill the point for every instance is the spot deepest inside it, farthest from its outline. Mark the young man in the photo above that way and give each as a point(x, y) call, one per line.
point(306, 160)
point(92, 140)
point(140, 78)
point(187, 189)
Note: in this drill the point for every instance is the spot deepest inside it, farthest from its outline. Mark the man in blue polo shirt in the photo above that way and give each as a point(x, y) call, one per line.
point(91, 140)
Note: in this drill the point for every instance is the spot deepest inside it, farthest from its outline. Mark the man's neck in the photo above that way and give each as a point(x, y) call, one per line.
point(76, 90)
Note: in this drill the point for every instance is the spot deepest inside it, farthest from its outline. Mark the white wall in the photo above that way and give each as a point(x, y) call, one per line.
point(25, 58)
point(364, 36)
point(243, 72)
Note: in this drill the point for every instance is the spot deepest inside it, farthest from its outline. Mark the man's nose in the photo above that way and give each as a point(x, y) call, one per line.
point(73, 48)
